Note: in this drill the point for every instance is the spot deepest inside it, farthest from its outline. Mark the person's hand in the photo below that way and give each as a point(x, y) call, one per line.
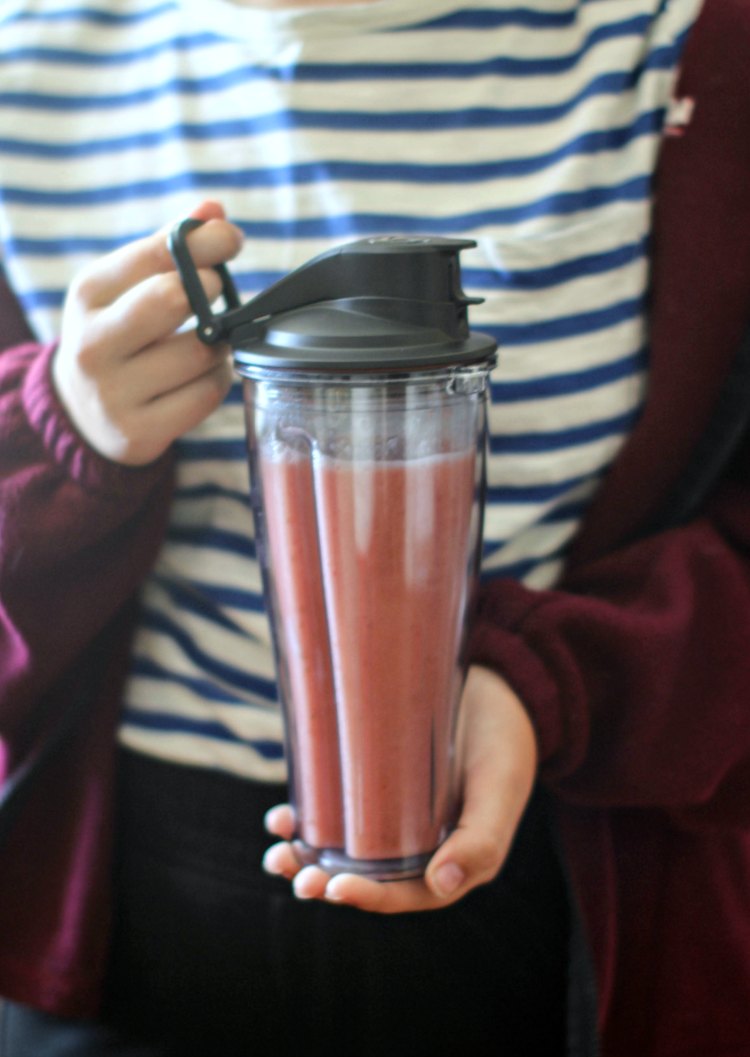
point(497, 758)
point(129, 381)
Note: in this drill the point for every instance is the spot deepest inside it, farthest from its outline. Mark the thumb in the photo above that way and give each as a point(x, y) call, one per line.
point(497, 759)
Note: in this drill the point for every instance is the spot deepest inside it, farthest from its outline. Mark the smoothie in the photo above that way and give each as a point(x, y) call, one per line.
point(370, 633)
point(305, 674)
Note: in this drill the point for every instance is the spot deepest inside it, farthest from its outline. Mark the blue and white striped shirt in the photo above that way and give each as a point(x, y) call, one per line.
point(532, 127)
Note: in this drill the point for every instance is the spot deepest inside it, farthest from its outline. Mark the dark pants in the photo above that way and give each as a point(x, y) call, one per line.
point(26, 1032)
point(213, 957)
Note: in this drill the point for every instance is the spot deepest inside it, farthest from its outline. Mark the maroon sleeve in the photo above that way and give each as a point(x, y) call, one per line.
point(636, 672)
point(77, 533)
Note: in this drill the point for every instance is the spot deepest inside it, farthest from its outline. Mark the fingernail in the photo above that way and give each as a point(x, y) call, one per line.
point(448, 878)
point(332, 894)
point(268, 865)
point(270, 817)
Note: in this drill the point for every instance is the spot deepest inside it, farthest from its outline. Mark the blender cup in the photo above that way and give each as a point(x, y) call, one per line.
point(365, 398)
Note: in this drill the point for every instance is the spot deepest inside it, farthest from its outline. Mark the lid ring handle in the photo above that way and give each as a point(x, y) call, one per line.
point(211, 329)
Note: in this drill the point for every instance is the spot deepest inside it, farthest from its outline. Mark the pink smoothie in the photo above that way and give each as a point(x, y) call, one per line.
point(373, 673)
point(312, 728)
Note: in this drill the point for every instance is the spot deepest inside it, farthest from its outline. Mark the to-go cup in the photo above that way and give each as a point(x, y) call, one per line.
point(365, 397)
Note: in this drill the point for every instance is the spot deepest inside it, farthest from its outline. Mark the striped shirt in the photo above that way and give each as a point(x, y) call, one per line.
point(531, 127)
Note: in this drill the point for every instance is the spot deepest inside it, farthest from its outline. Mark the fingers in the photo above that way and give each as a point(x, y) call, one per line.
point(280, 821)
point(311, 882)
point(148, 312)
point(385, 897)
point(380, 897)
point(498, 757)
point(130, 382)
point(160, 369)
point(281, 860)
point(110, 277)
point(153, 427)
point(188, 403)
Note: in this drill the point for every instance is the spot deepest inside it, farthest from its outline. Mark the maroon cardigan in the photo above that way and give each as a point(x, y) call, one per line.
point(636, 670)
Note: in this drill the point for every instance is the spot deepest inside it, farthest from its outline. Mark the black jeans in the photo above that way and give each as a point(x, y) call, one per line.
point(213, 957)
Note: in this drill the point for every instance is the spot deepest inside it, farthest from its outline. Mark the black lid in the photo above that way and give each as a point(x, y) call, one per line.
point(391, 302)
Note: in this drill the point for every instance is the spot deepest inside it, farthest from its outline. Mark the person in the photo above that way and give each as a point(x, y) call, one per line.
point(605, 702)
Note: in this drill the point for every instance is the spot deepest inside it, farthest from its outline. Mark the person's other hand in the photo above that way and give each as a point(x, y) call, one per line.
point(130, 382)
point(497, 759)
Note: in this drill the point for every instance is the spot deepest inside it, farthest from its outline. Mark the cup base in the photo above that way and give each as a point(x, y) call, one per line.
point(335, 861)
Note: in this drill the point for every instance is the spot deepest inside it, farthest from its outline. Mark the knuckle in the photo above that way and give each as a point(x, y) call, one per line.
point(488, 856)
point(156, 252)
point(221, 378)
point(202, 359)
point(89, 353)
point(171, 295)
point(83, 288)
point(211, 388)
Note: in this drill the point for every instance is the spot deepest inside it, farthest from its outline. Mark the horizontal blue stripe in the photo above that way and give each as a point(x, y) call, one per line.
point(212, 601)
point(612, 83)
point(662, 58)
point(503, 65)
point(321, 172)
point(191, 42)
point(243, 680)
point(203, 688)
point(121, 57)
point(571, 511)
point(564, 512)
point(191, 449)
point(195, 598)
point(42, 247)
point(588, 265)
point(539, 443)
point(554, 385)
point(37, 299)
point(647, 123)
point(212, 491)
point(470, 18)
point(561, 327)
point(205, 536)
point(204, 728)
point(90, 14)
point(535, 493)
point(239, 598)
point(353, 225)
point(478, 18)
